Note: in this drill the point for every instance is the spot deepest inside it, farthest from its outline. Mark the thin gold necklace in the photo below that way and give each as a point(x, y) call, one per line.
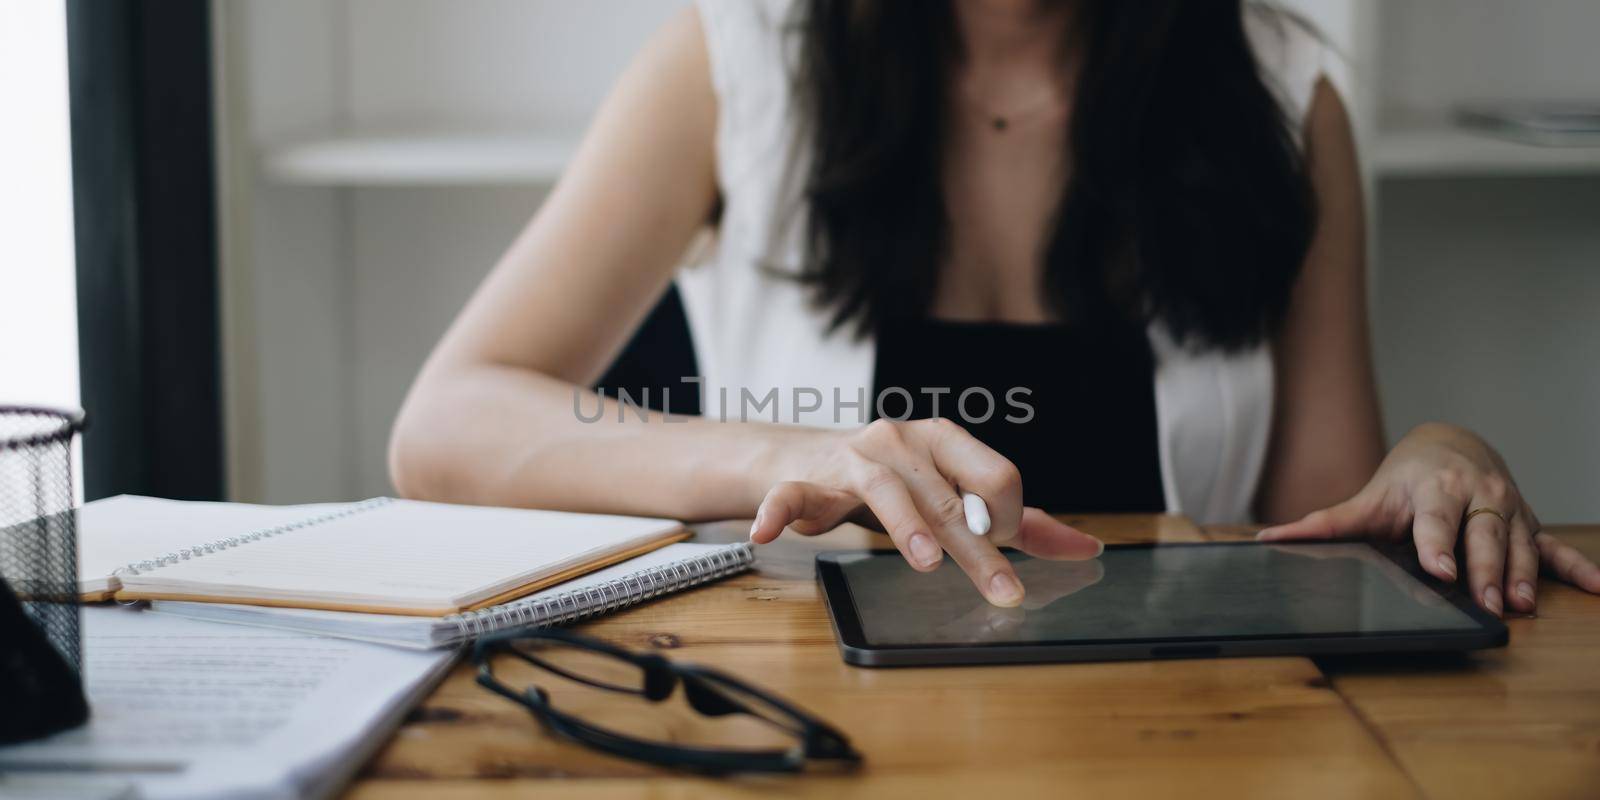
point(1001, 122)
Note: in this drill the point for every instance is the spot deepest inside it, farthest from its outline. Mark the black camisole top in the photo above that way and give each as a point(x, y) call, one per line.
point(1072, 406)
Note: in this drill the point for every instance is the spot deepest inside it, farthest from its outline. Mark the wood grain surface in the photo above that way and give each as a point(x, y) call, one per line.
point(1521, 722)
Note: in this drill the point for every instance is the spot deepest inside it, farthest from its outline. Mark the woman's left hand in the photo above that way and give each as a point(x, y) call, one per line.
point(1428, 488)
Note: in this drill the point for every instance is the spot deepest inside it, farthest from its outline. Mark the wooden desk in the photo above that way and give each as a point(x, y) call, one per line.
point(1523, 722)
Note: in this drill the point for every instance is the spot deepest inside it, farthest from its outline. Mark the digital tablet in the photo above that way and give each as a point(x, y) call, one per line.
point(1142, 601)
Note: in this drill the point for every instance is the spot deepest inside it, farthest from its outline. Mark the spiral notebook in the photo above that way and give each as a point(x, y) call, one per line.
point(381, 555)
point(672, 568)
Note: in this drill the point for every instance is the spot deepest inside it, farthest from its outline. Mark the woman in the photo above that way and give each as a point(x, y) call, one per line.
point(1157, 200)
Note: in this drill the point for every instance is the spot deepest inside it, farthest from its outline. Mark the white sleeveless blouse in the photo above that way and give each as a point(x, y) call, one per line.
point(755, 331)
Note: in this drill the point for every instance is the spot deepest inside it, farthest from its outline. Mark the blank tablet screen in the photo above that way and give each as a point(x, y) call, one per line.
point(1142, 592)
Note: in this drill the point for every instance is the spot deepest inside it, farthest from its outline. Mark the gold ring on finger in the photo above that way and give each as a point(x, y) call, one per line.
point(1484, 510)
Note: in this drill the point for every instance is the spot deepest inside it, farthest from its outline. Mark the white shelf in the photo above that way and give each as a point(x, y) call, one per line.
point(429, 158)
point(1438, 150)
point(422, 158)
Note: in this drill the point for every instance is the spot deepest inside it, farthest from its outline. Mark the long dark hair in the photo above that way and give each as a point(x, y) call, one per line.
point(1188, 200)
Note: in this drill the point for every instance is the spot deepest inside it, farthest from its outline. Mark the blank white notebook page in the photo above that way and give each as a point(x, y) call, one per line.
point(117, 531)
point(431, 553)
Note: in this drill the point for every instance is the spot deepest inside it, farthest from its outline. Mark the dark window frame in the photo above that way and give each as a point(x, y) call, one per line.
point(144, 206)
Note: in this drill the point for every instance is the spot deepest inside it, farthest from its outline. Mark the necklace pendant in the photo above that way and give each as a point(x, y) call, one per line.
point(999, 124)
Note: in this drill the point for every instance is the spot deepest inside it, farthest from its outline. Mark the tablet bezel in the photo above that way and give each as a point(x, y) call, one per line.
point(856, 650)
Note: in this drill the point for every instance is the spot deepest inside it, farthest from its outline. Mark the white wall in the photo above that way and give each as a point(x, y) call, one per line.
point(1487, 290)
point(335, 295)
point(1488, 315)
point(38, 273)
point(416, 255)
point(283, 277)
point(490, 62)
point(38, 299)
point(1434, 53)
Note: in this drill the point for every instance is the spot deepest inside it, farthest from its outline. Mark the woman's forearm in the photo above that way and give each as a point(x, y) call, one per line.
point(498, 435)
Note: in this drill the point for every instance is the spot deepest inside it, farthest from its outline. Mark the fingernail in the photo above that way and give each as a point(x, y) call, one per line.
point(1101, 548)
point(1266, 533)
point(754, 524)
point(923, 550)
point(1491, 600)
point(1525, 592)
point(1447, 565)
point(1004, 590)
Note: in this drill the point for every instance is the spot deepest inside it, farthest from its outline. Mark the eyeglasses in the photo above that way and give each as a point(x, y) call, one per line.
point(708, 691)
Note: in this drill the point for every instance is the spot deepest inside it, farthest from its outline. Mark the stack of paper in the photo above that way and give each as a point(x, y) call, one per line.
point(1547, 124)
point(187, 709)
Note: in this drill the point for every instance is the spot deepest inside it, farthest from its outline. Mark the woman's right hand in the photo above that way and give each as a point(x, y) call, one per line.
point(906, 478)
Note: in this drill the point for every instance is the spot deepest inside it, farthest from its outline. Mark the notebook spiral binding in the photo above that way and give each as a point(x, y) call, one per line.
point(612, 595)
point(186, 553)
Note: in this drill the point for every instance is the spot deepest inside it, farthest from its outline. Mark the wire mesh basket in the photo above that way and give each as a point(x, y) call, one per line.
point(41, 653)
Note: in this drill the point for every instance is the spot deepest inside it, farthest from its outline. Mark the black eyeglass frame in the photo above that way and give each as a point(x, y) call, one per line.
point(705, 689)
